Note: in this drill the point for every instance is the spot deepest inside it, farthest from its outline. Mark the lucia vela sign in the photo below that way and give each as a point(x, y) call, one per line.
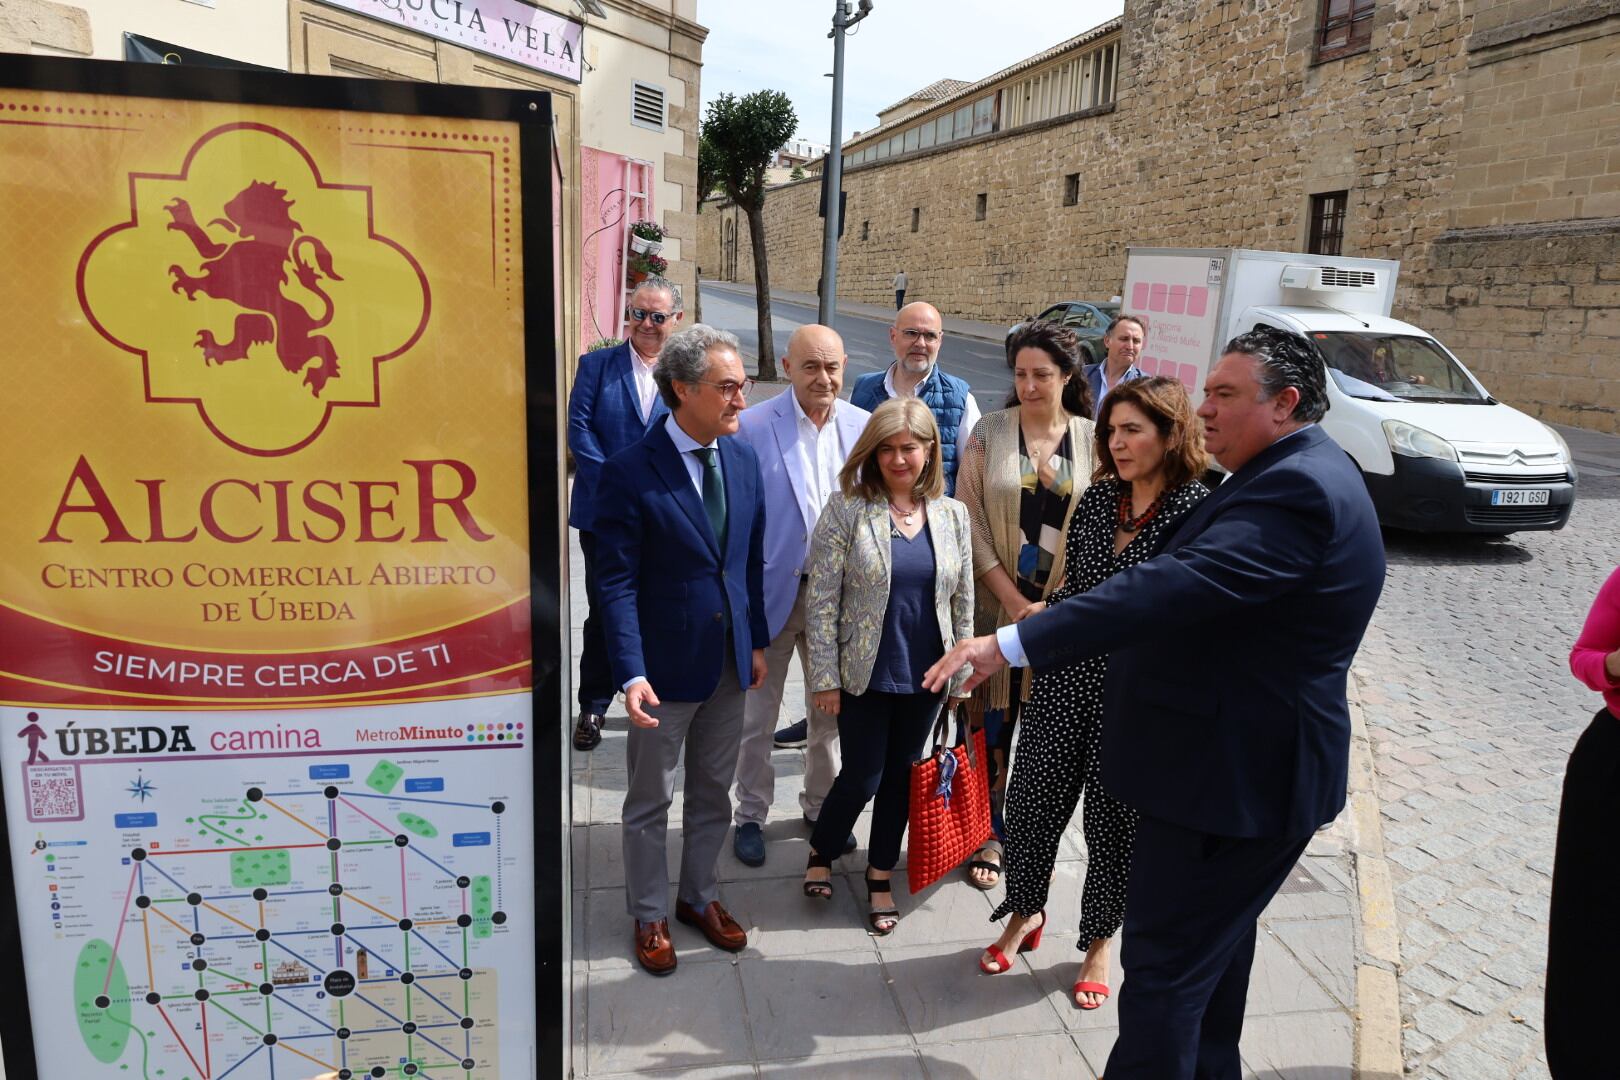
point(266, 435)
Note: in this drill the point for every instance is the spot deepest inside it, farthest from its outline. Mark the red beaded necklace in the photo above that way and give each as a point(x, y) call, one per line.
point(1130, 524)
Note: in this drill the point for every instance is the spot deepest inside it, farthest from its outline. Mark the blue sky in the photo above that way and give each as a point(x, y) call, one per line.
point(902, 46)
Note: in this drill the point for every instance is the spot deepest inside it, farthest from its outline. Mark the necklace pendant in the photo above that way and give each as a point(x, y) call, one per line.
point(1127, 526)
point(909, 520)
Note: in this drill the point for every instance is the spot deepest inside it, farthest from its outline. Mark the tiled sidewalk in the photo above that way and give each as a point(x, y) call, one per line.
point(815, 995)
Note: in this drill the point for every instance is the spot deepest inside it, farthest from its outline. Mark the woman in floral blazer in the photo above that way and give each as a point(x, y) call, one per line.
point(891, 590)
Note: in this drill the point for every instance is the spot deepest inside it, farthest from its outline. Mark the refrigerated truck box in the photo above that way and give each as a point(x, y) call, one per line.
point(1438, 452)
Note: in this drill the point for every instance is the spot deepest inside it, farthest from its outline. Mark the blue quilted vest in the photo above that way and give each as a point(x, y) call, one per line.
point(946, 397)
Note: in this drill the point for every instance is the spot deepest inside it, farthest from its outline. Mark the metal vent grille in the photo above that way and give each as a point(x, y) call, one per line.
point(1513, 515)
point(1479, 476)
point(647, 106)
point(1347, 279)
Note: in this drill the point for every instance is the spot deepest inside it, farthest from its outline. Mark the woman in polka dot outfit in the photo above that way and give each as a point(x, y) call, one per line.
point(1150, 454)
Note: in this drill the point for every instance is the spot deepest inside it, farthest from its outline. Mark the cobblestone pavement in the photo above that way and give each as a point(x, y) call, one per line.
point(1472, 712)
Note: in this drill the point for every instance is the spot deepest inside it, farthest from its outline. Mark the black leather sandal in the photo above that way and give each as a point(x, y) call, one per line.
point(876, 916)
point(818, 890)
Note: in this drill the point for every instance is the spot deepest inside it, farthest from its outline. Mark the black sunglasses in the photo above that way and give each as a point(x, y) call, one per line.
point(659, 318)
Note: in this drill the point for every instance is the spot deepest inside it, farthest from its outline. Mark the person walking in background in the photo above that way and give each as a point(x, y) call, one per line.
point(1021, 478)
point(1150, 454)
point(1225, 725)
point(613, 404)
point(891, 589)
point(682, 526)
point(900, 282)
point(802, 439)
point(1583, 936)
point(916, 337)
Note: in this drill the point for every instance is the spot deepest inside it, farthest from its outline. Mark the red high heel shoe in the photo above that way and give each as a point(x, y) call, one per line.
point(1031, 942)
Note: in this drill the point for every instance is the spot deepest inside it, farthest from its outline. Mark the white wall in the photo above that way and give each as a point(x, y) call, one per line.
point(253, 31)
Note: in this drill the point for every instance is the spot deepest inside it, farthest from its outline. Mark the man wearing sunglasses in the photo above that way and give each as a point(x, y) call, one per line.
point(916, 336)
point(614, 403)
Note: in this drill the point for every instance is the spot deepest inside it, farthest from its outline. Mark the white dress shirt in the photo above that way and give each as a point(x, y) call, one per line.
point(646, 386)
point(970, 410)
point(694, 469)
point(686, 444)
point(820, 454)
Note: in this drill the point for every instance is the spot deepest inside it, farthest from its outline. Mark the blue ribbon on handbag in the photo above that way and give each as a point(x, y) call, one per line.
point(947, 773)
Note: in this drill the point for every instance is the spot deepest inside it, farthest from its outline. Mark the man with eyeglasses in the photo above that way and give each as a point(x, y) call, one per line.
point(916, 336)
point(681, 519)
point(614, 403)
point(802, 438)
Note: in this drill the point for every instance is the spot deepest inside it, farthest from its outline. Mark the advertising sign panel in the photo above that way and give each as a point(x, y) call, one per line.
point(266, 671)
point(1178, 298)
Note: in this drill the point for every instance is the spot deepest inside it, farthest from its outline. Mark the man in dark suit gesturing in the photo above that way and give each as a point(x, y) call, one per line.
point(1225, 722)
point(682, 568)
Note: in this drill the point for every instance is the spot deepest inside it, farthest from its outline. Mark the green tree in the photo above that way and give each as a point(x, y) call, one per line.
point(797, 173)
point(744, 133)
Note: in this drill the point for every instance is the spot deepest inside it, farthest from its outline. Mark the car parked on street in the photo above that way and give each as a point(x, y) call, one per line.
point(1087, 319)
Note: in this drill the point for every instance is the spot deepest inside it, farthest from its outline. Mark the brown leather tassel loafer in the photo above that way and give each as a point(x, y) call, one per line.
point(654, 950)
point(716, 923)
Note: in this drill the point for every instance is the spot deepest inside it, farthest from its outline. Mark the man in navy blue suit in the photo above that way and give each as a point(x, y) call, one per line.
point(1225, 724)
point(613, 404)
point(681, 524)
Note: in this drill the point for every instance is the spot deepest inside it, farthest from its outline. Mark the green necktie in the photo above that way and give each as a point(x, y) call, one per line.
point(714, 492)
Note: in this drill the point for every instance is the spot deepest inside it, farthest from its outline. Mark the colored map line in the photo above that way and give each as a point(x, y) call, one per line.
point(277, 806)
point(164, 1013)
point(119, 937)
point(365, 815)
point(231, 850)
point(224, 915)
point(251, 1054)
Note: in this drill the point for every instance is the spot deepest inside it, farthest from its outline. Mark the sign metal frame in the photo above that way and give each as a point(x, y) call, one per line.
point(531, 111)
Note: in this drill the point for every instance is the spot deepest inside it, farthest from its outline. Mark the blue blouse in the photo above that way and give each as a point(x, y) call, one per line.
point(911, 641)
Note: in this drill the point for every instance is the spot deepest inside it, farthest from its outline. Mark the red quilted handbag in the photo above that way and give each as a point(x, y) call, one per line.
point(950, 805)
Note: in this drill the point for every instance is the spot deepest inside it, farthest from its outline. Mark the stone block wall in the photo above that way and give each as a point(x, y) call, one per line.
point(1535, 313)
point(1526, 283)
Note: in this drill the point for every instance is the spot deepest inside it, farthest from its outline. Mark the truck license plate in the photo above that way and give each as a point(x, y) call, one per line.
point(1520, 496)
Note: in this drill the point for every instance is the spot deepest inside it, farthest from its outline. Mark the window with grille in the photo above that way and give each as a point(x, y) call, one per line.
point(980, 206)
point(1346, 28)
point(1071, 189)
point(1327, 222)
point(916, 218)
point(647, 106)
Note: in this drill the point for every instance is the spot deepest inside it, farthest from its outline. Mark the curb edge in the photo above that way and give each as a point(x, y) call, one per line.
point(1378, 954)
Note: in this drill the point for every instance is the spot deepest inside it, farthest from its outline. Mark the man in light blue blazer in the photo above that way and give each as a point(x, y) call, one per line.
point(614, 403)
point(802, 438)
point(682, 526)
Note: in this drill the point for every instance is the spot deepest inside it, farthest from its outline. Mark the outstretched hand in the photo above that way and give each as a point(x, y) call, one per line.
point(982, 652)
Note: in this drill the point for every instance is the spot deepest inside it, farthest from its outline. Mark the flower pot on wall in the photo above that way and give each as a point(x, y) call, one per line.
point(643, 246)
point(635, 277)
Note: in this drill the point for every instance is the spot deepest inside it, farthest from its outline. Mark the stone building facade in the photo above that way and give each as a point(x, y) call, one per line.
point(1478, 144)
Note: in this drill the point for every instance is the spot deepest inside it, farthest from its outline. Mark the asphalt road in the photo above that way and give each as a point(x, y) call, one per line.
point(982, 363)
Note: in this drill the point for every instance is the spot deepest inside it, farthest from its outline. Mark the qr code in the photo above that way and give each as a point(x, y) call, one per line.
point(53, 792)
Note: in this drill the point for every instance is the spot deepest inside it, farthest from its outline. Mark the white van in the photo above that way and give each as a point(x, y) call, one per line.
point(1438, 452)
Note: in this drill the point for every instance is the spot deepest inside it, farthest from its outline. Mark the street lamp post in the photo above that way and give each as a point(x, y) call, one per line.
point(832, 176)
